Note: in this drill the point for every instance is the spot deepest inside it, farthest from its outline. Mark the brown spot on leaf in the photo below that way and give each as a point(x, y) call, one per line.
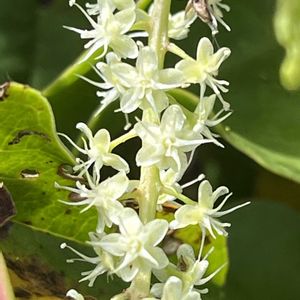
point(3, 90)
point(22, 293)
point(68, 211)
point(22, 133)
point(36, 277)
point(7, 206)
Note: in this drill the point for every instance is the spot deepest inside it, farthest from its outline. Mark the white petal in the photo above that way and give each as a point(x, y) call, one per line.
point(102, 140)
point(126, 19)
point(205, 194)
point(156, 231)
point(172, 289)
point(113, 243)
point(130, 223)
point(147, 62)
point(124, 46)
point(204, 50)
point(172, 119)
point(169, 78)
point(187, 215)
point(116, 162)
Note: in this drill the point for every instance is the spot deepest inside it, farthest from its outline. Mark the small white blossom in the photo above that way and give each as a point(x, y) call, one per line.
point(215, 7)
point(204, 69)
point(173, 289)
point(98, 151)
point(109, 31)
point(189, 272)
point(136, 245)
point(210, 12)
point(74, 295)
point(103, 196)
point(179, 25)
point(104, 261)
point(203, 122)
point(165, 145)
point(145, 84)
point(168, 178)
point(110, 89)
point(203, 211)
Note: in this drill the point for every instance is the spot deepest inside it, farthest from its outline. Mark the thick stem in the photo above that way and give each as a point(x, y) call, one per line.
point(158, 39)
point(149, 182)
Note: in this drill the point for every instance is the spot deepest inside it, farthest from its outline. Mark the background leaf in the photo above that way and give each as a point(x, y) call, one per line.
point(287, 29)
point(31, 159)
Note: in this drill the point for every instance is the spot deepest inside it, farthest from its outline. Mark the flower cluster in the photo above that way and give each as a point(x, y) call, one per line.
point(170, 134)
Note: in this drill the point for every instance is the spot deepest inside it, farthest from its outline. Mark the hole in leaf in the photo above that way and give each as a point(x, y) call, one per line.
point(22, 133)
point(30, 174)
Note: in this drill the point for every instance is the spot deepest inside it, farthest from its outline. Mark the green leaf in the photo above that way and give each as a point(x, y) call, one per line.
point(266, 119)
point(287, 29)
point(264, 246)
point(39, 269)
point(31, 161)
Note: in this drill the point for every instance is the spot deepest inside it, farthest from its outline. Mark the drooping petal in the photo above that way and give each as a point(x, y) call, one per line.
point(116, 162)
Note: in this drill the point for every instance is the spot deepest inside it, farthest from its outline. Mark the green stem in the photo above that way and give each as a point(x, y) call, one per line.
point(177, 51)
point(143, 4)
point(158, 39)
point(179, 196)
point(122, 139)
point(149, 181)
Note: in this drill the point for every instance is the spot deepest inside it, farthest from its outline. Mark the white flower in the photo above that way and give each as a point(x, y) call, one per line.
point(103, 196)
point(216, 12)
point(98, 151)
point(136, 244)
point(173, 289)
point(189, 272)
point(109, 31)
point(204, 69)
point(104, 261)
point(145, 84)
point(179, 25)
point(203, 211)
point(203, 112)
point(168, 178)
point(74, 295)
point(165, 145)
point(210, 12)
point(110, 89)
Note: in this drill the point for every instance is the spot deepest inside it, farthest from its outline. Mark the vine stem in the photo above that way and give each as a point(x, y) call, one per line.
point(149, 180)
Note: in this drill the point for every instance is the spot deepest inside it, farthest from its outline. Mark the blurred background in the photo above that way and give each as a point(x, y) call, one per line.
point(261, 159)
